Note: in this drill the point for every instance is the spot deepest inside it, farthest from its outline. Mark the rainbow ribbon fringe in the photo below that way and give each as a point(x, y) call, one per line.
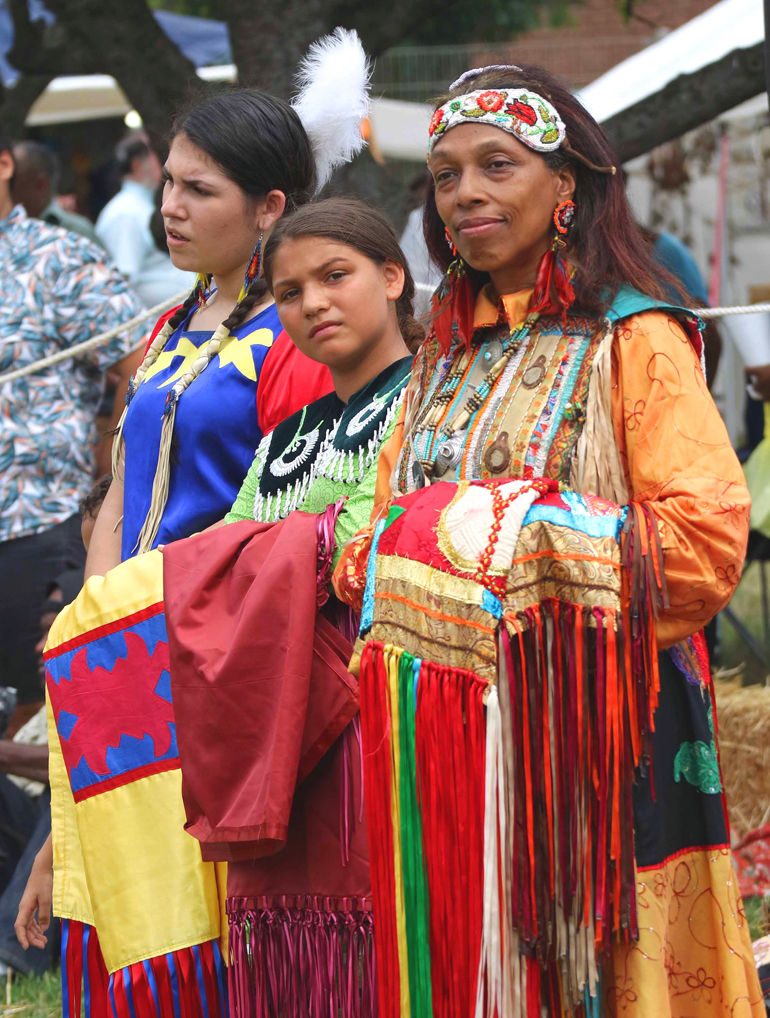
point(498, 796)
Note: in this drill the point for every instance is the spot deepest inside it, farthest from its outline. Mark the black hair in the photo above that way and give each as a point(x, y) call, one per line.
point(92, 503)
point(38, 158)
point(259, 143)
point(352, 222)
point(604, 242)
point(132, 146)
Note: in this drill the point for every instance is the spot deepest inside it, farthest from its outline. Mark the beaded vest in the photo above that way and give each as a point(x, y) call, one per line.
point(529, 421)
point(527, 425)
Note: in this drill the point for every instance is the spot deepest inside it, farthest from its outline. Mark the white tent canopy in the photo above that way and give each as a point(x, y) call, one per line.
point(400, 129)
point(727, 26)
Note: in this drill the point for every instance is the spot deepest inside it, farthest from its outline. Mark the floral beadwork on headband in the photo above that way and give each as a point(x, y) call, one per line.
point(524, 114)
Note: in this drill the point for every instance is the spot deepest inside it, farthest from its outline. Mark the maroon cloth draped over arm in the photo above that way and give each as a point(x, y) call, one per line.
point(259, 680)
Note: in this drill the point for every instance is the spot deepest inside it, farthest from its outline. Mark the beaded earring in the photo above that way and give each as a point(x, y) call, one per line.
point(252, 269)
point(450, 242)
point(563, 216)
point(202, 289)
point(554, 292)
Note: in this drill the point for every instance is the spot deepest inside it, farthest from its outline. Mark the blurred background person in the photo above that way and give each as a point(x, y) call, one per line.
point(124, 225)
point(672, 255)
point(58, 292)
point(35, 186)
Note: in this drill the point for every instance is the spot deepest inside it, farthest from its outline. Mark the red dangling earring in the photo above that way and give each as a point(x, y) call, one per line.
point(554, 293)
point(563, 216)
point(449, 241)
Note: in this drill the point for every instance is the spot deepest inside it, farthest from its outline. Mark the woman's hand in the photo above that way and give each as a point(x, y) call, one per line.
point(759, 379)
point(38, 894)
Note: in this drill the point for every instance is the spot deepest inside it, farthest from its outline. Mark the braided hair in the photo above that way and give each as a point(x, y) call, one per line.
point(259, 142)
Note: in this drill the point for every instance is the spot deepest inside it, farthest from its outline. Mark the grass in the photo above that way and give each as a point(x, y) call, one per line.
point(757, 916)
point(31, 996)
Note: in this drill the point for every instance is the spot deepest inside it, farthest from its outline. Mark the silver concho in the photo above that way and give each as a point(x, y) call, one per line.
point(492, 354)
point(448, 455)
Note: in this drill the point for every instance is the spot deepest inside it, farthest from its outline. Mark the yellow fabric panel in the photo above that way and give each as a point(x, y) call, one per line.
point(450, 587)
point(122, 860)
point(693, 958)
point(71, 899)
point(151, 891)
point(392, 657)
point(129, 587)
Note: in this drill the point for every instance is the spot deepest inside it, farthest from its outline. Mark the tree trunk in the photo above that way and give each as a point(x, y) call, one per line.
point(92, 37)
point(269, 38)
point(687, 102)
point(16, 102)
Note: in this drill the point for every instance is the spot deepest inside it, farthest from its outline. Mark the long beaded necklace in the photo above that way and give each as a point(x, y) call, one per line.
point(500, 503)
point(450, 450)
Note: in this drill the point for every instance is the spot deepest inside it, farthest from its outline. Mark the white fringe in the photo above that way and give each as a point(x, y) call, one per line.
point(489, 987)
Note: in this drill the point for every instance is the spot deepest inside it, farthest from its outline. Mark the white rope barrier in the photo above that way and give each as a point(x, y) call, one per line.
point(738, 309)
point(94, 341)
point(155, 312)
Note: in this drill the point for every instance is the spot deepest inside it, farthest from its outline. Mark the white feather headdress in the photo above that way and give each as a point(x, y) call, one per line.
point(333, 99)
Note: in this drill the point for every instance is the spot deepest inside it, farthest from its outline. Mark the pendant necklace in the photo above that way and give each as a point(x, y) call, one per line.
point(450, 450)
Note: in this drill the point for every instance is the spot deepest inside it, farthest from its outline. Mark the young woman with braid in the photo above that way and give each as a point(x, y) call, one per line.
point(218, 373)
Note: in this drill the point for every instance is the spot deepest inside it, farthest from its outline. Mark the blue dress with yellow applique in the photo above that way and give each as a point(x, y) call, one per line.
point(216, 431)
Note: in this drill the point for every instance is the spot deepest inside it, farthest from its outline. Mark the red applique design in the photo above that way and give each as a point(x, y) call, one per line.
point(121, 702)
point(436, 119)
point(523, 111)
point(490, 101)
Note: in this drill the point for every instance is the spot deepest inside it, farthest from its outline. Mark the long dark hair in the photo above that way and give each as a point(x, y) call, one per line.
point(259, 143)
point(352, 222)
point(605, 243)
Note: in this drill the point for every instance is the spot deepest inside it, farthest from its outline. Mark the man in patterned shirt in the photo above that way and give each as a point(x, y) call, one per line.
point(57, 291)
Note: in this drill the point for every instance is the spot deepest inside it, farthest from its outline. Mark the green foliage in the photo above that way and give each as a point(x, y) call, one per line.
point(453, 22)
point(198, 8)
point(456, 21)
point(31, 996)
point(756, 918)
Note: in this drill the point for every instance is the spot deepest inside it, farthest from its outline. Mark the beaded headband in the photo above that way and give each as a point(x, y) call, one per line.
point(529, 117)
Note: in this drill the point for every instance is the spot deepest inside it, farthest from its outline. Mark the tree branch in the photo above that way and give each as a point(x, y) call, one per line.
point(269, 38)
point(686, 102)
point(89, 37)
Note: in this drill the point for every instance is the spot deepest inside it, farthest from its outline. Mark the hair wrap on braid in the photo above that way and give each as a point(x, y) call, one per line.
point(261, 144)
point(151, 355)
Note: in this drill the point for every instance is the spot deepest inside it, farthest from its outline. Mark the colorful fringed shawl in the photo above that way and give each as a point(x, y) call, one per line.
point(509, 680)
point(143, 909)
